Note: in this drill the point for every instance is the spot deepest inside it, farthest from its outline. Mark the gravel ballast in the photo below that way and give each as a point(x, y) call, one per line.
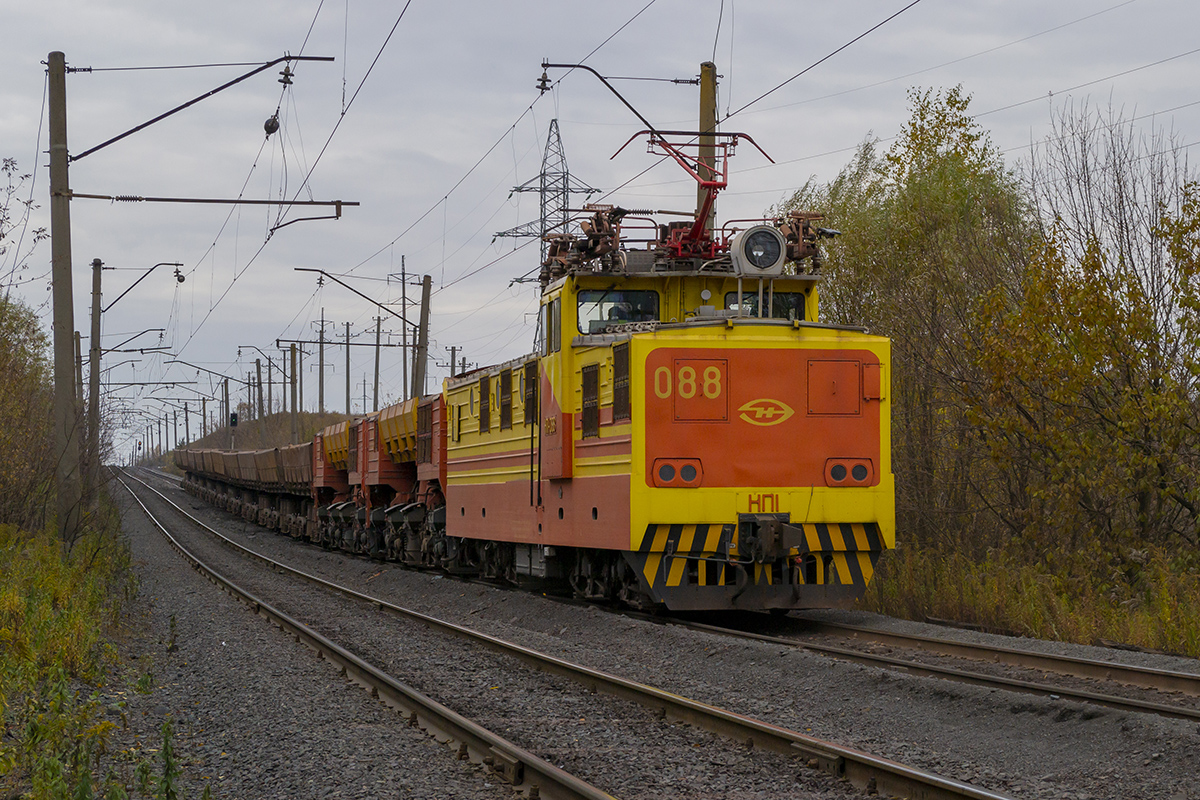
point(255, 714)
point(615, 745)
point(1023, 745)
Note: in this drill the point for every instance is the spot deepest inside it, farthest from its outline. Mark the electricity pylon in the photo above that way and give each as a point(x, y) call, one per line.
point(554, 187)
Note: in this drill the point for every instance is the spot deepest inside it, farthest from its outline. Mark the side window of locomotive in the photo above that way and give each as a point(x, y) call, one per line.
point(590, 380)
point(784, 305)
point(506, 400)
point(485, 404)
point(556, 325)
point(599, 308)
point(621, 381)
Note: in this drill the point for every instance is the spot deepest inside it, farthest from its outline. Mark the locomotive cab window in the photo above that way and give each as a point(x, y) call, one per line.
point(784, 305)
point(550, 327)
point(599, 308)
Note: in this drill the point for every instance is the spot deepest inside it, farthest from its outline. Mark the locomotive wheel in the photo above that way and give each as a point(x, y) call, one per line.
point(630, 591)
point(592, 576)
point(488, 561)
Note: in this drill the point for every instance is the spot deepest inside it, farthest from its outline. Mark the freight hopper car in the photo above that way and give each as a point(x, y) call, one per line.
point(686, 434)
point(270, 487)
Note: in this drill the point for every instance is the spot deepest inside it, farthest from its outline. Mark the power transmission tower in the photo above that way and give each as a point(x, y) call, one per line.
point(554, 187)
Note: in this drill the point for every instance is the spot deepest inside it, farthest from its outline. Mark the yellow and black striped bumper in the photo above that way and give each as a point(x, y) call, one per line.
point(698, 566)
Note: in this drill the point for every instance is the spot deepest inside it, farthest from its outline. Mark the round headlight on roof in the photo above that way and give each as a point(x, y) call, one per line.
point(761, 249)
point(758, 251)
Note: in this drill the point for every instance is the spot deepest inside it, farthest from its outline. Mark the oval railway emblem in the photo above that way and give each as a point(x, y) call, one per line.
point(765, 411)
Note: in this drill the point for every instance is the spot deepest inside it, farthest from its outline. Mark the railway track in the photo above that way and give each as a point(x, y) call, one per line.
point(526, 772)
point(863, 770)
point(1147, 678)
point(1096, 670)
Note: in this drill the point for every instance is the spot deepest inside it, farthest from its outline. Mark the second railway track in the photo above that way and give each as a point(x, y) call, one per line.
point(862, 770)
point(1040, 670)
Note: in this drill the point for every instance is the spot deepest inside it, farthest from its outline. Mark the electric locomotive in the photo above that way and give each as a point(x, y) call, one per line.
point(687, 433)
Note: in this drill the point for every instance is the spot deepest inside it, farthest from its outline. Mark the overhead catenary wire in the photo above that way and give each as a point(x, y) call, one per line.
point(1092, 82)
point(451, 260)
point(823, 59)
point(353, 97)
point(307, 176)
point(717, 35)
point(949, 63)
point(508, 131)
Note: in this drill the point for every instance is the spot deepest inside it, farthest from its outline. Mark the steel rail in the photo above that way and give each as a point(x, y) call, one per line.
point(961, 676)
point(524, 770)
point(1144, 677)
point(861, 769)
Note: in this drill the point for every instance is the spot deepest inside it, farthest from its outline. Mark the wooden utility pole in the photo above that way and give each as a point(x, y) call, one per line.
point(270, 380)
point(66, 416)
point(283, 379)
point(349, 410)
point(92, 477)
point(78, 373)
point(422, 340)
point(708, 122)
point(453, 356)
point(204, 416)
point(375, 403)
point(321, 366)
point(295, 413)
point(258, 372)
point(404, 328)
point(187, 429)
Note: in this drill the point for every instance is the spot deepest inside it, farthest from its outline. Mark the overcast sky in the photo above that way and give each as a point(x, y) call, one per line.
point(430, 131)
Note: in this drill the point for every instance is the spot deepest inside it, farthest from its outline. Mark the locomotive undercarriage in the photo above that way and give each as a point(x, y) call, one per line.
point(791, 575)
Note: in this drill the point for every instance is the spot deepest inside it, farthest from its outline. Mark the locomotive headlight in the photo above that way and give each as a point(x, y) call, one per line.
point(762, 249)
point(758, 251)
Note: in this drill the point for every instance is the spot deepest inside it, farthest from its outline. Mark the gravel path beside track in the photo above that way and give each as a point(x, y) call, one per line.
point(256, 715)
point(1029, 747)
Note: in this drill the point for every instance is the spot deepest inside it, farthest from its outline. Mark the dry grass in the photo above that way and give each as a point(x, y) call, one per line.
point(55, 609)
point(1076, 597)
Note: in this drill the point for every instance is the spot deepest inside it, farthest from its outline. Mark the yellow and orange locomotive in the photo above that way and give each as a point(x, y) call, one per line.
point(687, 433)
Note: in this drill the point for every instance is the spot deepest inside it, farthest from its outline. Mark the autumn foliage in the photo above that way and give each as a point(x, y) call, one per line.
point(1046, 370)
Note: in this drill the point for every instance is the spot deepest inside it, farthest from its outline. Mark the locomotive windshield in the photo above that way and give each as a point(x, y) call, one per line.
point(599, 308)
point(784, 305)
